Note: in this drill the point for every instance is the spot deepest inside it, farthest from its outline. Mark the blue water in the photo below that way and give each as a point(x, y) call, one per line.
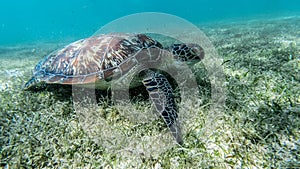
point(23, 21)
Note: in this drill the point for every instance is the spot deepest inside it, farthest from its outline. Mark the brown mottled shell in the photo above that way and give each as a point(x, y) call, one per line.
point(94, 58)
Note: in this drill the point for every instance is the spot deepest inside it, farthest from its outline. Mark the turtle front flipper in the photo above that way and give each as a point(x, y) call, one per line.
point(161, 94)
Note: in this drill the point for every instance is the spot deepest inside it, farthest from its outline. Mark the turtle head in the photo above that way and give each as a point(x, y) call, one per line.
point(190, 53)
point(31, 82)
point(34, 83)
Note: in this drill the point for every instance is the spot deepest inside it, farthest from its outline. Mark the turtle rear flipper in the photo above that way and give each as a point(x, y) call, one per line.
point(161, 94)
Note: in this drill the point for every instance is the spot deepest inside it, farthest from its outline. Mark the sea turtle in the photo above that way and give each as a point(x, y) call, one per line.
point(100, 57)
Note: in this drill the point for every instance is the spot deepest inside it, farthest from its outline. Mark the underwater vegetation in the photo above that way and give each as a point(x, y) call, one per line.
point(259, 127)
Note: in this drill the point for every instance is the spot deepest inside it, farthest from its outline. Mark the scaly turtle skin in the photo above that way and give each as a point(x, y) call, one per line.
point(98, 58)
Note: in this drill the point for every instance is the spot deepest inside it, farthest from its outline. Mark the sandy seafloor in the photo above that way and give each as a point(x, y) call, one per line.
point(260, 127)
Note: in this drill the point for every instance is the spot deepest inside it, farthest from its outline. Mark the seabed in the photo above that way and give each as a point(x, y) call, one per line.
point(259, 128)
